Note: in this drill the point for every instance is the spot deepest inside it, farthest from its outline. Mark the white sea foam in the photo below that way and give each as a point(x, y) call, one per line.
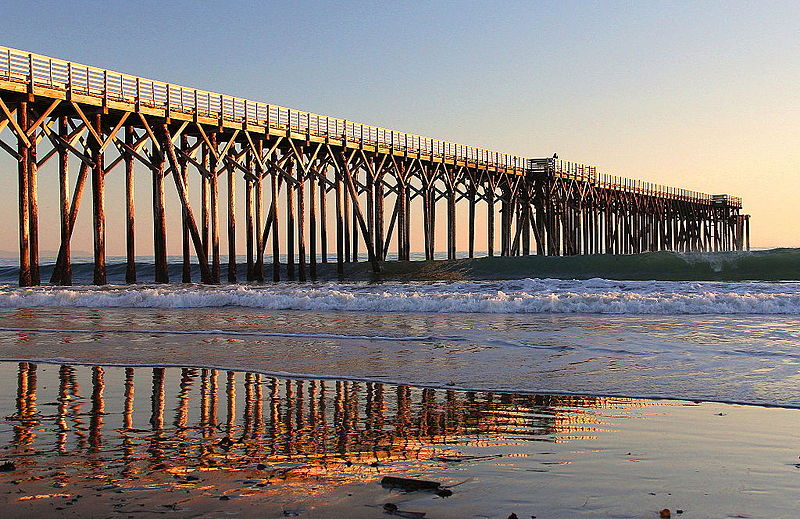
point(519, 296)
point(227, 332)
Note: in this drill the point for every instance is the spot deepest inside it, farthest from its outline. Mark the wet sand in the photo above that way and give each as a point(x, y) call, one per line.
point(192, 442)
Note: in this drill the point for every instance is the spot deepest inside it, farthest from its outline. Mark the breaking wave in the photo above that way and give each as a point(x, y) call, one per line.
point(534, 296)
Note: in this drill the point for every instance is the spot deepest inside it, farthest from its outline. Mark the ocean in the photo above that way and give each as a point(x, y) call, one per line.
point(730, 338)
point(605, 386)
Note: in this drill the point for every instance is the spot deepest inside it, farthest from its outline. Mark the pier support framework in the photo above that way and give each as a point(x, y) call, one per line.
point(298, 167)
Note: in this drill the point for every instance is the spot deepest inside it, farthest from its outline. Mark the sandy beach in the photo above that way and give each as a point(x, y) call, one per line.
point(94, 441)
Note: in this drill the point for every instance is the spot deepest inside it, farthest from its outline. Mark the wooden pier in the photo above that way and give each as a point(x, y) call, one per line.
point(298, 170)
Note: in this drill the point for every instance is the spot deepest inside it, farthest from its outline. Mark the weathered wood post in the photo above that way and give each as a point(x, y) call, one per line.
point(340, 231)
point(471, 220)
point(301, 217)
point(323, 211)
point(33, 201)
point(312, 221)
point(159, 216)
point(490, 220)
point(258, 273)
point(186, 271)
point(64, 205)
point(290, 221)
point(23, 177)
point(130, 216)
point(98, 207)
point(276, 248)
point(232, 270)
point(214, 208)
point(249, 209)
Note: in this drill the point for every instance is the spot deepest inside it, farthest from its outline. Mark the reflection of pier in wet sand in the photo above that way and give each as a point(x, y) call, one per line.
point(170, 439)
point(207, 418)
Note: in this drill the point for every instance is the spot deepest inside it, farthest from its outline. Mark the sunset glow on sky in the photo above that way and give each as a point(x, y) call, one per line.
point(702, 96)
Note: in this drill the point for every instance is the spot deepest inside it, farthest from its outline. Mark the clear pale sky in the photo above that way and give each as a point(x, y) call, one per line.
point(701, 95)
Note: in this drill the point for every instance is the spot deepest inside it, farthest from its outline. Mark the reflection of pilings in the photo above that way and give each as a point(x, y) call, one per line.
point(182, 410)
point(300, 405)
point(63, 406)
point(249, 406)
point(258, 429)
point(127, 415)
point(230, 392)
point(78, 425)
point(98, 409)
point(128, 445)
point(339, 417)
point(403, 413)
point(274, 414)
point(375, 406)
point(26, 405)
point(361, 428)
point(205, 402)
point(288, 419)
point(213, 388)
point(157, 401)
point(156, 448)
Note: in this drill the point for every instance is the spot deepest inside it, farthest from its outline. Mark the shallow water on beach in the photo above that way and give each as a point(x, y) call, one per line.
point(176, 440)
point(546, 397)
point(730, 358)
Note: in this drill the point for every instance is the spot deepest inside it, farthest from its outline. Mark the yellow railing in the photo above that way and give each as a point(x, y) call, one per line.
point(44, 71)
point(584, 173)
point(37, 70)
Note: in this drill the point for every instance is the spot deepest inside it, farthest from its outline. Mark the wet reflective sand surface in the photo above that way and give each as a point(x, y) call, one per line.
point(104, 441)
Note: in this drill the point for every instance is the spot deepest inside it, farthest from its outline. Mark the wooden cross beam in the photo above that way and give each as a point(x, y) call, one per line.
point(168, 145)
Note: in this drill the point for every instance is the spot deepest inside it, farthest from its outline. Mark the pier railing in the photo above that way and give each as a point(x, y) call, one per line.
point(38, 71)
point(74, 78)
point(584, 173)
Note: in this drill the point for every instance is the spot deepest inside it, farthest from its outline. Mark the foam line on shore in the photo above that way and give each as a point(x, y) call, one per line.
point(227, 332)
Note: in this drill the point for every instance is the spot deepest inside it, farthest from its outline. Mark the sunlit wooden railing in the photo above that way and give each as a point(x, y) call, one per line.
point(585, 173)
point(43, 71)
point(36, 70)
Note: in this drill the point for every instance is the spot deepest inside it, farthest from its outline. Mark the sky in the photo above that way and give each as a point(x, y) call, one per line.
point(699, 95)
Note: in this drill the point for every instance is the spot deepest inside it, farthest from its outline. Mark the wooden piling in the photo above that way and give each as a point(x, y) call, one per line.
point(379, 194)
point(276, 250)
point(33, 201)
point(64, 205)
point(130, 217)
point(301, 220)
point(471, 194)
point(312, 224)
point(402, 210)
point(258, 273)
point(214, 209)
point(186, 271)
point(231, 173)
point(323, 211)
point(24, 199)
point(205, 194)
point(98, 207)
point(290, 221)
point(346, 224)
point(340, 230)
point(159, 219)
point(490, 221)
point(249, 205)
